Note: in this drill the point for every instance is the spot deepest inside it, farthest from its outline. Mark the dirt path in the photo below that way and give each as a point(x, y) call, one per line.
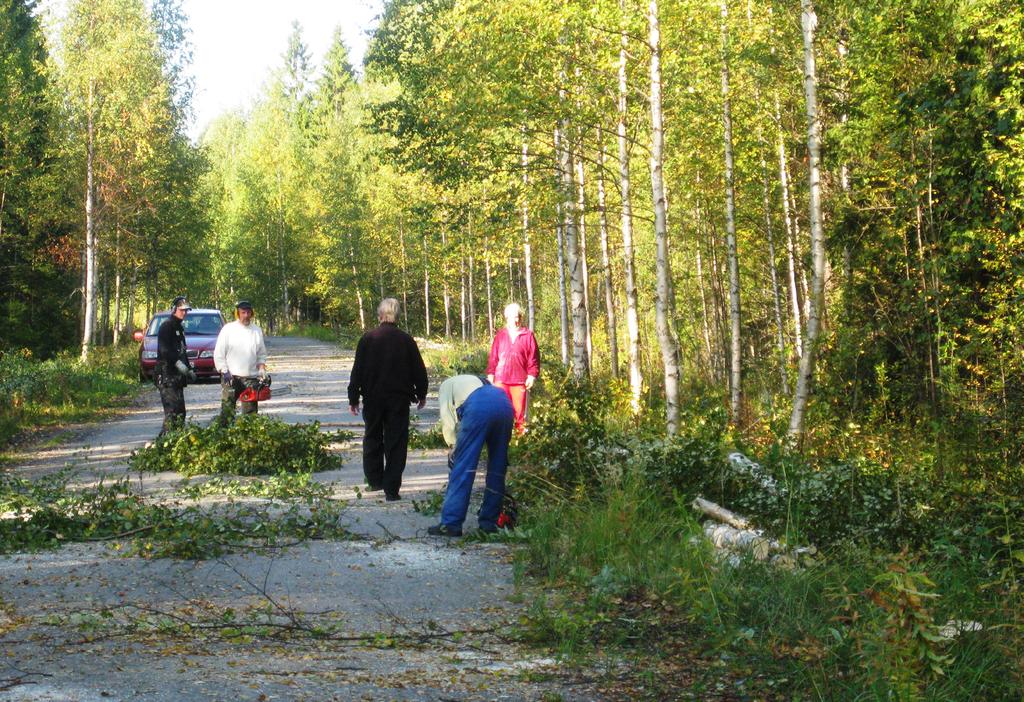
point(412, 617)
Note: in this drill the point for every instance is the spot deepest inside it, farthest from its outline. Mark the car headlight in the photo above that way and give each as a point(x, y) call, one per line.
point(149, 354)
point(206, 354)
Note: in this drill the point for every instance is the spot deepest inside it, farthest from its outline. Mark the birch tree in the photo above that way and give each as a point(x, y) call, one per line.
point(666, 336)
point(805, 377)
point(626, 218)
point(735, 343)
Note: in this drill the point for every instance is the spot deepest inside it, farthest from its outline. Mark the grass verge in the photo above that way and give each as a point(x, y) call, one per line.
point(63, 390)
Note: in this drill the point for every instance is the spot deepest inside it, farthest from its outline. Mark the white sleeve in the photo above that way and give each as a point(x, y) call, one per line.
point(220, 350)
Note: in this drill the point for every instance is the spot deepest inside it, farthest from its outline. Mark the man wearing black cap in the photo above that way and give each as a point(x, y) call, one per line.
point(241, 357)
point(173, 371)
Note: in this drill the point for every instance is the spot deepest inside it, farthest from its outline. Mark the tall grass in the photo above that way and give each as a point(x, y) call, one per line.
point(605, 504)
point(855, 625)
point(62, 389)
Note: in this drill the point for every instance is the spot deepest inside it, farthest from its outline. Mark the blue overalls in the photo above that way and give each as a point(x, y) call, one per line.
point(485, 416)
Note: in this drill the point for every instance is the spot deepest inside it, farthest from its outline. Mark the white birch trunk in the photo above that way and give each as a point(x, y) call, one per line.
point(462, 294)
point(563, 303)
point(89, 288)
point(471, 298)
point(426, 288)
point(629, 275)
point(487, 275)
point(445, 292)
point(735, 345)
point(355, 284)
point(606, 264)
point(405, 280)
point(706, 326)
point(527, 251)
point(129, 319)
point(787, 218)
point(118, 280)
point(666, 339)
point(805, 378)
point(581, 206)
point(574, 271)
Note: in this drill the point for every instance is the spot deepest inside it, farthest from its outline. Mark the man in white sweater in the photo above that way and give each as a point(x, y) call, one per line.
point(241, 357)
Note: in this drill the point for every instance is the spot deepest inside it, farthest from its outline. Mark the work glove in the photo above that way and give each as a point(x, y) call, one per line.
point(225, 377)
point(263, 374)
point(185, 371)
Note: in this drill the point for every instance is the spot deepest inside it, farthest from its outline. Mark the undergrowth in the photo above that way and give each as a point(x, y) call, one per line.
point(253, 444)
point(47, 513)
point(903, 555)
point(63, 389)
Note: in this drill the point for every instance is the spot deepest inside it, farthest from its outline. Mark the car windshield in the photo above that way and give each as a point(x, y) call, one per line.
point(197, 324)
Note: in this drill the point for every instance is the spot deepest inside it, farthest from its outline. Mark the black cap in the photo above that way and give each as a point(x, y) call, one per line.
point(243, 305)
point(179, 302)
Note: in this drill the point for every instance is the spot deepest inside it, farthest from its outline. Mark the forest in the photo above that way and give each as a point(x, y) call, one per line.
point(788, 229)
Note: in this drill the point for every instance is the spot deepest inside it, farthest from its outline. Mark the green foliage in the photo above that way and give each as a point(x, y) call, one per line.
point(432, 438)
point(906, 649)
point(47, 513)
point(446, 360)
point(62, 389)
point(430, 506)
point(311, 331)
point(609, 517)
point(856, 623)
point(251, 445)
point(286, 486)
point(581, 435)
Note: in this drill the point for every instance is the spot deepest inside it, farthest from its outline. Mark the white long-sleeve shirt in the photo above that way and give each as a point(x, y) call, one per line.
point(240, 349)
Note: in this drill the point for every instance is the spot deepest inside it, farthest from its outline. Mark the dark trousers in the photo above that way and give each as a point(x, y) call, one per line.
point(173, 399)
point(385, 442)
point(229, 393)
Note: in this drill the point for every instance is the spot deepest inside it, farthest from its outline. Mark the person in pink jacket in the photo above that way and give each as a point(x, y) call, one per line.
point(514, 363)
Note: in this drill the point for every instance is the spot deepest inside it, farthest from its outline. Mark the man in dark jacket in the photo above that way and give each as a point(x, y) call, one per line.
point(388, 374)
point(173, 371)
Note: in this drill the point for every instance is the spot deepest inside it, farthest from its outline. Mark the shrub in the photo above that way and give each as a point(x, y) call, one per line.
point(254, 444)
point(62, 389)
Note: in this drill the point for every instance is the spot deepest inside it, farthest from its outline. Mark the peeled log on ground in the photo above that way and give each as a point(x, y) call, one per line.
point(734, 533)
point(719, 513)
point(725, 536)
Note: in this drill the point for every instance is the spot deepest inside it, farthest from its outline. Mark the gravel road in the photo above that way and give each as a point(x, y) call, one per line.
point(69, 619)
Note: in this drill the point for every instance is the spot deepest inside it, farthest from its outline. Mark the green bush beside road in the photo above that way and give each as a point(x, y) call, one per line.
point(904, 552)
point(63, 389)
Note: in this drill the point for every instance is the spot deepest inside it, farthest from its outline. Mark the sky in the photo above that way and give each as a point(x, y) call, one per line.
point(236, 44)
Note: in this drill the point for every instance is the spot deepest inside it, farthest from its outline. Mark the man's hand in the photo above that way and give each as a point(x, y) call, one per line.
point(191, 375)
point(530, 380)
point(262, 372)
point(225, 377)
point(421, 404)
point(354, 408)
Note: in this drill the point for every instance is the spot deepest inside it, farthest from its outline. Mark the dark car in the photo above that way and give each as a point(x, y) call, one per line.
point(201, 329)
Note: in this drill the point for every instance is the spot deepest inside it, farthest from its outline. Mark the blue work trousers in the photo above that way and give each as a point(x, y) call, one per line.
point(485, 417)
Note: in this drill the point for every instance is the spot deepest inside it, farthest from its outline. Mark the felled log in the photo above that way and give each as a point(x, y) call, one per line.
point(725, 536)
point(719, 513)
point(744, 466)
point(735, 533)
